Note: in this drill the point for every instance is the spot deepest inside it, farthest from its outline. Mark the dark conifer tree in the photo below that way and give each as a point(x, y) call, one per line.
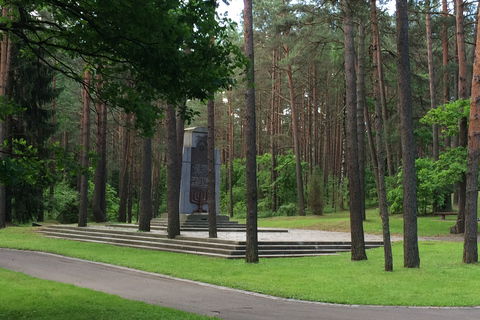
point(32, 90)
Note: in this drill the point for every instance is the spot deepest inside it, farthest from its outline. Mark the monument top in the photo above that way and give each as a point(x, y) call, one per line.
point(190, 136)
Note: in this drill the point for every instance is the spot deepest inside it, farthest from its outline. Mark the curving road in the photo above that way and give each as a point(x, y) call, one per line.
point(205, 299)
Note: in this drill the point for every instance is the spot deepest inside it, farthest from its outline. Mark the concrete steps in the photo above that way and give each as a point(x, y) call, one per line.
point(197, 222)
point(220, 248)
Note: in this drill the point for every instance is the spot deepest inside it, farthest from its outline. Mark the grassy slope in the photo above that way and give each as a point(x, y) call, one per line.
point(333, 279)
point(25, 297)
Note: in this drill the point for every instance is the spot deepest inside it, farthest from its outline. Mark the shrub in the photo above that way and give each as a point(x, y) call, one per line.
point(315, 193)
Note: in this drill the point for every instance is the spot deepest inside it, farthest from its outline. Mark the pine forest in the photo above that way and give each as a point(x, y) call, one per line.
point(347, 105)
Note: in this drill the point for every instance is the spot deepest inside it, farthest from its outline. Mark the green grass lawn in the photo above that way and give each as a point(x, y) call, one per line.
point(25, 297)
point(428, 226)
point(442, 279)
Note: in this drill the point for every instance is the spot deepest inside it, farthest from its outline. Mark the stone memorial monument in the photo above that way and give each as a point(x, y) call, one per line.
point(194, 181)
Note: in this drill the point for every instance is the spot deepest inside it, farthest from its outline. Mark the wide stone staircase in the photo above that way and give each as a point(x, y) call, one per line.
point(221, 248)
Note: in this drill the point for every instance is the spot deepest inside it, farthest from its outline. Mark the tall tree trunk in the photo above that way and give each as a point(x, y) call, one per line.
point(380, 176)
point(431, 75)
point(316, 125)
point(356, 225)
point(296, 142)
point(131, 173)
point(231, 152)
point(4, 75)
point(124, 181)
point(360, 119)
point(410, 245)
point(446, 82)
point(470, 245)
point(173, 228)
point(99, 204)
point(446, 93)
point(212, 212)
point(273, 151)
point(146, 194)
point(383, 99)
point(462, 94)
point(83, 197)
point(251, 249)
point(52, 141)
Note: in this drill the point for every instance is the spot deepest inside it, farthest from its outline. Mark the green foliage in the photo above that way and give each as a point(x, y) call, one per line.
point(315, 192)
point(145, 50)
point(448, 115)
point(289, 209)
point(64, 204)
point(434, 180)
point(286, 186)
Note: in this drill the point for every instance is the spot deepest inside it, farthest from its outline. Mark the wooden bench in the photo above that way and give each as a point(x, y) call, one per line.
point(443, 214)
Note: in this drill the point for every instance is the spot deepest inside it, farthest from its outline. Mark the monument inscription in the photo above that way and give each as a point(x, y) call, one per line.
point(199, 175)
point(194, 181)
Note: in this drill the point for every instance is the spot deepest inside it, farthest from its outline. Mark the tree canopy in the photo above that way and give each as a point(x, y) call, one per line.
point(145, 49)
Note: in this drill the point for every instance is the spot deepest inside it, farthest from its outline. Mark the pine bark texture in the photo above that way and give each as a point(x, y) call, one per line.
point(4, 72)
point(356, 221)
point(470, 245)
point(85, 143)
point(273, 159)
point(446, 93)
point(99, 203)
point(212, 212)
point(410, 244)
point(231, 153)
point(380, 176)
point(124, 174)
point(173, 180)
point(251, 250)
point(431, 76)
point(146, 194)
point(462, 123)
point(296, 142)
point(360, 117)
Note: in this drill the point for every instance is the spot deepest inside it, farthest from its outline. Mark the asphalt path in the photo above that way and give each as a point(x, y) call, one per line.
point(201, 298)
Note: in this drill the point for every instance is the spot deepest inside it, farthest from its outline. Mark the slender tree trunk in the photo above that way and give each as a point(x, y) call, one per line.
point(52, 141)
point(99, 204)
point(462, 94)
point(446, 82)
point(212, 212)
point(383, 99)
point(83, 200)
point(146, 194)
point(360, 118)
point(131, 173)
point(356, 226)
point(251, 249)
point(124, 181)
point(231, 152)
point(180, 126)
point(410, 245)
point(381, 186)
point(173, 228)
point(316, 127)
point(446, 93)
point(431, 74)
point(296, 142)
point(4, 79)
point(470, 245)
point(273, 151)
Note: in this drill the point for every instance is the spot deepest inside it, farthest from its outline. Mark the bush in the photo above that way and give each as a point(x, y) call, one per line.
point(315, 193)
point(64, 205)
point(289, 209)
